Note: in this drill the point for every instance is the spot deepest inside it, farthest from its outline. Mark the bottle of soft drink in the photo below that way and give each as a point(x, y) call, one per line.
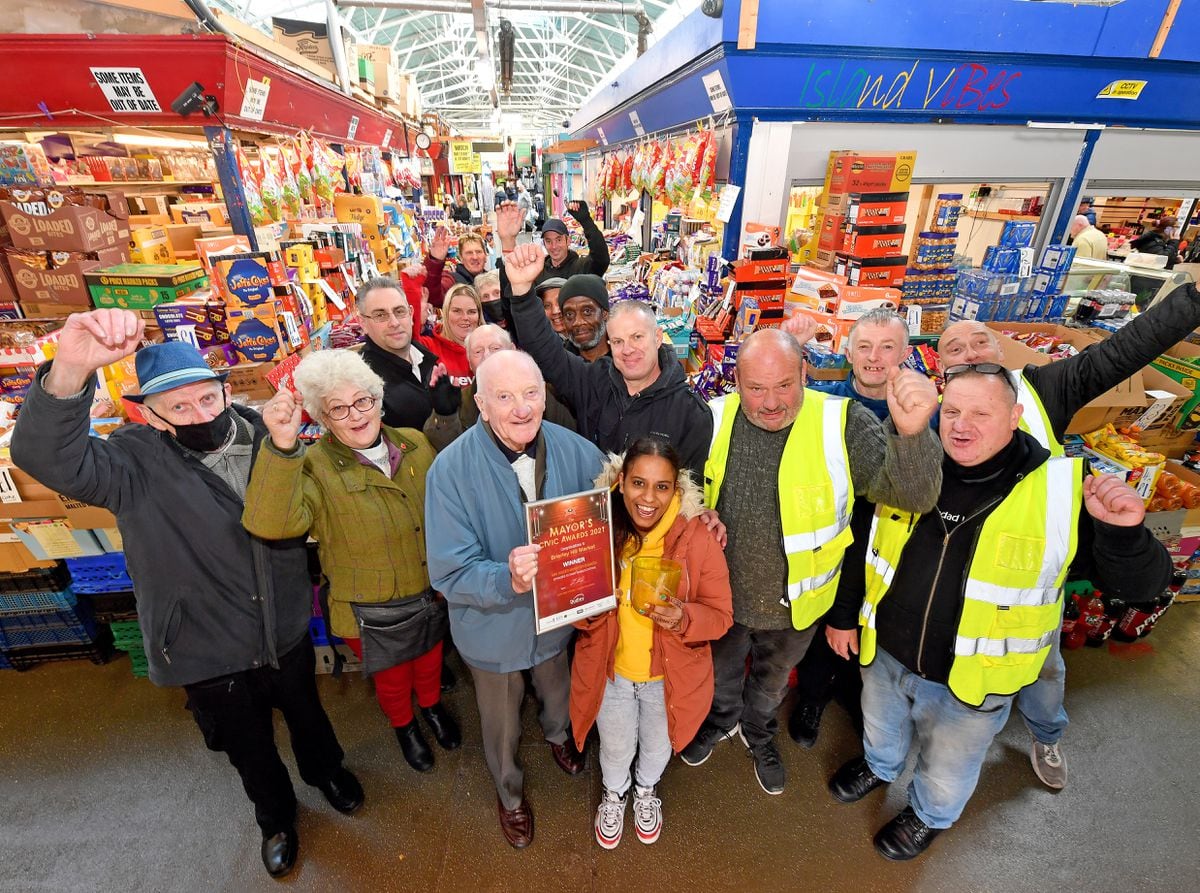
point(1092, 620)
point(1073, 633)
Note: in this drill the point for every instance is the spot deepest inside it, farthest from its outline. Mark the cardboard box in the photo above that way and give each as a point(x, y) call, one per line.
point(183, 238)
point(39, 501)
point(364, 209)
point(833, 232)
point(64, 284)
point(206, 214)
point(15, 558)
point(39, 310)
point(255, 335)
point(876, 208)
point(1164, 398)
point(211, 246)
point(1171, 443)
point(142, 286)
point(311, 40)
point(151, 245)
point(862, 173)
point(774, 269)
point(877, 272)
point(1181, 364)
point(69, 228)
point(874, 241)
point(832, 333)
point(1099, 412)
point(248, 280)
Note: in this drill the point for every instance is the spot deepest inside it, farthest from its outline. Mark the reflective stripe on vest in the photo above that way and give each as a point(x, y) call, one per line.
point(814, 493)
point(1034, 420)
point(1011, 599)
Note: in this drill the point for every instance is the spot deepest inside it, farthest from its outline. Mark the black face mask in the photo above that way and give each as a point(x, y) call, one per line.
point(204, 437)
point(493, 312)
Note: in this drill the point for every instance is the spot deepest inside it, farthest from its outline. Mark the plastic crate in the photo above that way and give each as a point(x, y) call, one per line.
point(319, 633)
point(4, 664)
point(113, 607)
point(36, 602)
point(100, 573)
point(50, 628)
point(51, 579)
point(98, 652)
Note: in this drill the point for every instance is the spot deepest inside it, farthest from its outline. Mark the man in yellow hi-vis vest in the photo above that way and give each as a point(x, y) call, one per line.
point(963, 604)
point(1051, 395)
point(782, 472)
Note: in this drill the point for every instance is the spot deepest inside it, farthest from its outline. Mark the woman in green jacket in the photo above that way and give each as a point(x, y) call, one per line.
point(360, 492)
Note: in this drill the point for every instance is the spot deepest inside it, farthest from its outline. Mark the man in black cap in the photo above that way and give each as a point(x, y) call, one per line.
point(561, 259)
point(223, 614)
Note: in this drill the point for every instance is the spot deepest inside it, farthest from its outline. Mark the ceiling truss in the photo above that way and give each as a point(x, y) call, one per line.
point(559, 57)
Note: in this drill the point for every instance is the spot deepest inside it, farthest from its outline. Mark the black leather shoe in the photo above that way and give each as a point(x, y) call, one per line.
point(279, 852)
point(568, 758)
point(441, 723)
point(854, 781)
point(343, 791)
point(449, 680)
point(416, 751)
point(904, 837)
point(805, 723)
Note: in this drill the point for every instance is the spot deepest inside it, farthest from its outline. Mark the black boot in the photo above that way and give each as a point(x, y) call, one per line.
point(449, 680)
point(904, 837)
point(412, 743)
point(854, 781)
point(441, 723)
point(805, 723)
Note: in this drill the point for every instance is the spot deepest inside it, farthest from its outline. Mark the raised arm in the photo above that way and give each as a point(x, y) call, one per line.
point(281, 499)
point(598, 258)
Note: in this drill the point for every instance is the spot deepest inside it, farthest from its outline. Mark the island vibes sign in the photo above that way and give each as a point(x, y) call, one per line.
point(907, 86)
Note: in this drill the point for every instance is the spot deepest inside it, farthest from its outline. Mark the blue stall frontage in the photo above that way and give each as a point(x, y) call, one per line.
point(1077, 96)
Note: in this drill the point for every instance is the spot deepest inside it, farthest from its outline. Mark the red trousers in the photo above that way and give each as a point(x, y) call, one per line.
point(394, 686)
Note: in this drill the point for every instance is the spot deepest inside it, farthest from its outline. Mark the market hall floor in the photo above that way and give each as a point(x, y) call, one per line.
point(106, 786)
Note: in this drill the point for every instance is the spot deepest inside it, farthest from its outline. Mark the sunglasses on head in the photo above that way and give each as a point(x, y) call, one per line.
point(981, 369)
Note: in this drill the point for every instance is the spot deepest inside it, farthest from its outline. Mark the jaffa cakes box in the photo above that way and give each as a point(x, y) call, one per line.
point(249, 280)
point(254, 333)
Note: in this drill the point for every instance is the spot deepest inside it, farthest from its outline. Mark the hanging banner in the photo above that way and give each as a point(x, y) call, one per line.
point(463, 159)
point(126, 89)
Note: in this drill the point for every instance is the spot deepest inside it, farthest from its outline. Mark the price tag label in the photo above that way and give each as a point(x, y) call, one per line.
point(8, 489)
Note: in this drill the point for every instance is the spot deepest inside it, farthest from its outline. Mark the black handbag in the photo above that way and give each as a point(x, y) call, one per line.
point(398, 631)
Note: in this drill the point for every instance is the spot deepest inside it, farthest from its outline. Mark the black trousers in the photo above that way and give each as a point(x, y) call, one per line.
point(234, 713)
point(822, 676)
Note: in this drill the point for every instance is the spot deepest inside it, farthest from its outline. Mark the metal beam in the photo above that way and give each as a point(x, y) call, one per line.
point(614, 7)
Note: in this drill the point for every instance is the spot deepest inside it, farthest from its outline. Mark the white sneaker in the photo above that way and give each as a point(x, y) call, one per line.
point(610, 820)
point(1049, 764)
point(647, 814)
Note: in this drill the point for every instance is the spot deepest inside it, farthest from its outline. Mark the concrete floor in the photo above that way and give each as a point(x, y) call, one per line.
point(106, 786)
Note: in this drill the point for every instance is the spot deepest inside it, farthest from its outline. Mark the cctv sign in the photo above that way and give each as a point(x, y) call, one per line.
point(126, 89)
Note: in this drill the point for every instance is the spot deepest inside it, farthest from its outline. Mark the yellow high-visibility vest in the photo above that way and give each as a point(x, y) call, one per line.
point(815, 491)
point(1034, 420)
point(1012, 599)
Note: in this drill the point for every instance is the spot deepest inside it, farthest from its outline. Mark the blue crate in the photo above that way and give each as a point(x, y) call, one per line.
point(319, 634)
point(51, 628)
point(4, 664)
point(33, 602)
point(97, 574)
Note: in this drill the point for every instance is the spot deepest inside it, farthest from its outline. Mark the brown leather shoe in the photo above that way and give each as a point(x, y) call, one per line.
point(568, 758)
point(516, 824)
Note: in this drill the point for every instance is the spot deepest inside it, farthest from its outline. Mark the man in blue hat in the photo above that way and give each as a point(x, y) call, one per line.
point(223, 614)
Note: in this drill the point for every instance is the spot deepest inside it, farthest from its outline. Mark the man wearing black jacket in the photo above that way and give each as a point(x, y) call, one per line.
point(414, 381)
point(640, 390)
point(963, 603)
point(223, 614)
point(1051, 395)
point(560, 259)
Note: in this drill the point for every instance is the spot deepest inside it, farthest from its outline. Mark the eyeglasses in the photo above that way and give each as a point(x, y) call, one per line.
point(401, 312)
point(589, 312)
point(982, 369)
point(342, 411)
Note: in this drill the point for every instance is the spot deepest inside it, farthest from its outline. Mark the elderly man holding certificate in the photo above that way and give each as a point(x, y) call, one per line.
point(476, 535)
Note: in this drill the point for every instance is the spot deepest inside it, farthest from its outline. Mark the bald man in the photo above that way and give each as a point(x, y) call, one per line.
point(782, 471)
point(1051, 395)
point(1088, 241)
point(478, 559)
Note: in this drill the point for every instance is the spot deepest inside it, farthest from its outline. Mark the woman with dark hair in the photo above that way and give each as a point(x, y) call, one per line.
point(646, 679)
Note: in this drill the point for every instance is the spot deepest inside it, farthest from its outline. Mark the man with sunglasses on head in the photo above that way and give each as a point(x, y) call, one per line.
point(224, 614)
point(415, 381)
point(1051, 395)
point(963, 604)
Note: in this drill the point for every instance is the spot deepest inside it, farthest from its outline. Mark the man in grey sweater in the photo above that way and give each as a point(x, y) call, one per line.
point(782, 472)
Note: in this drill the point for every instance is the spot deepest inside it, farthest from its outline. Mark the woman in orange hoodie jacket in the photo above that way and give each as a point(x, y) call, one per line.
point(646, 681)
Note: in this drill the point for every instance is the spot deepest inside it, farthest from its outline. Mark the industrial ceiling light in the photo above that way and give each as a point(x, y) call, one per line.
point(486, 73)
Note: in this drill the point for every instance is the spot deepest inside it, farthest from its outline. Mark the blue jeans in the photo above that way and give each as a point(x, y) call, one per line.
point(1041, 702)
point(633, 720)
point(953, 738)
